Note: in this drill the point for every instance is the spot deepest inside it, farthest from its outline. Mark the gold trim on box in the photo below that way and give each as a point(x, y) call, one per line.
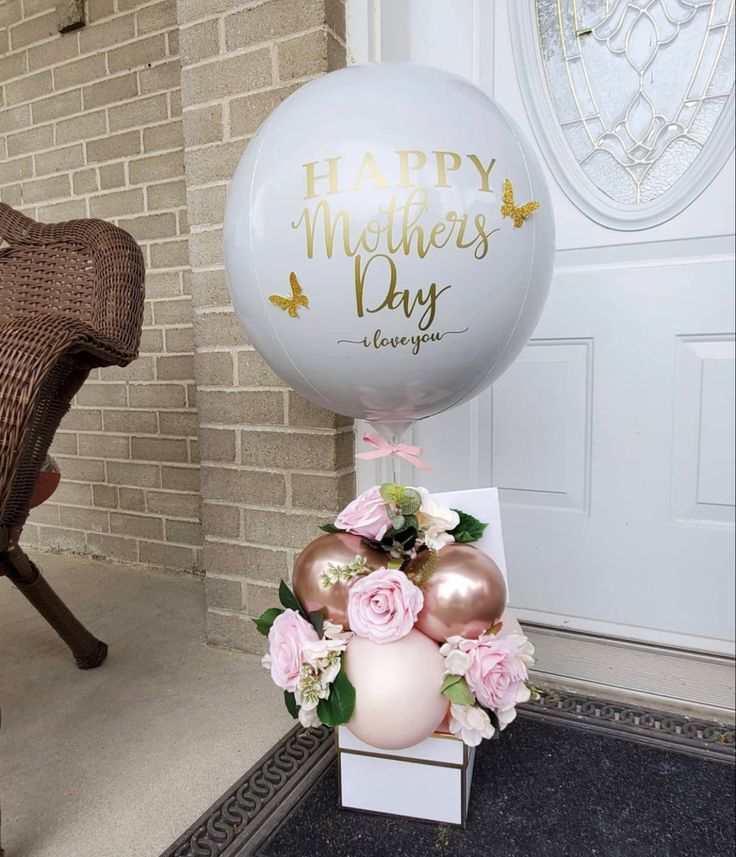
point(434, 763)
point(462, 769)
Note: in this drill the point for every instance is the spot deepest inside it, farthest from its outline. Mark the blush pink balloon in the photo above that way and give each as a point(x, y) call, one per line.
point(398, 702)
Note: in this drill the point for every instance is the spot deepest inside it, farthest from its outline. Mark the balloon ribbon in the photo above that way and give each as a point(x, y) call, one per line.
point(400, 450)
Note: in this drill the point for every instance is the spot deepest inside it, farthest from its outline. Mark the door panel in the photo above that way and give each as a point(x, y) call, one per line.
point(611, 438)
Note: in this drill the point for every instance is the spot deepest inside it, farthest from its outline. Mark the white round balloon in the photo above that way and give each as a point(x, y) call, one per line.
point(389, 242)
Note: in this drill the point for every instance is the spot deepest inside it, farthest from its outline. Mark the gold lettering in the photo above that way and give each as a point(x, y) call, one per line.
point(330, 227)
point(396, 298)
point(369, 169)
point(435, 233)
point(412, 210)
point(483, 237)
point(442, 167)
point(330, 175)
point(405, 167)
point(485, 174)
point(360, 276)
point(429, 300)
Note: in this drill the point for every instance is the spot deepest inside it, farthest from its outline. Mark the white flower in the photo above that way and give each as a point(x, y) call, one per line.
point(436, 543)
point(314, 652)
point(308, 717)
point(470, 723)
point(323, 657)
point(335, 632)
point(435, 521)
point(329, 673)
point(505, 717)
point(525, 647)
point(508, 715)
point(321, 661)
point(311, 689)
point(524, 694)
point(456, 660)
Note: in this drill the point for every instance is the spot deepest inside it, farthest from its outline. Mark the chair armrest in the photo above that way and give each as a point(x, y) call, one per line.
point(120, 290)
point(15, 228)
point(115, 300)
point(32, 351)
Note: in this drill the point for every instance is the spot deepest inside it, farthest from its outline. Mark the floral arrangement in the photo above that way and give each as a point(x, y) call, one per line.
point(373, 570)
point(401, 521)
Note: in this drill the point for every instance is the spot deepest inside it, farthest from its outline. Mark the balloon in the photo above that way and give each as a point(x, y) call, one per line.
point(398, 699)
point(383, 244)
point(465, 594)
point(334, 549)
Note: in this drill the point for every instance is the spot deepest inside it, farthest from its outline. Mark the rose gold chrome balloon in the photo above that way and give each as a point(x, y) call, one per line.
point(465, 595)
point(332, 549)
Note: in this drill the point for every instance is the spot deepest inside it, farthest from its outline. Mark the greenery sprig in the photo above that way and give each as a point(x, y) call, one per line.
point(469, 529)
point(347, 573)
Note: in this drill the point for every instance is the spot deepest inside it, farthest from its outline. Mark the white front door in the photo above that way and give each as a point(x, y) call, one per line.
point(612, 437)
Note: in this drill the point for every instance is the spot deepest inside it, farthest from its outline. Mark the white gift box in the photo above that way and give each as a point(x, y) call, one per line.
point(484, 504)
point(429, 781)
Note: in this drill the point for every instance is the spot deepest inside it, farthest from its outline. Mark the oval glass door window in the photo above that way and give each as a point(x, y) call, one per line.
point(632, 100)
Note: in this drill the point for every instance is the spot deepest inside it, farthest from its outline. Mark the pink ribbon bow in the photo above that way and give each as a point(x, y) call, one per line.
point(401, 450)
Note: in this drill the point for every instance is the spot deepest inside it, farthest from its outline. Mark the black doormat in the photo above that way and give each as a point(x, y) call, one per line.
point(542, 788)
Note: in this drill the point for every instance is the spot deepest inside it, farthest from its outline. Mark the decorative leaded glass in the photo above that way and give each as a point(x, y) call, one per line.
point(638, 86)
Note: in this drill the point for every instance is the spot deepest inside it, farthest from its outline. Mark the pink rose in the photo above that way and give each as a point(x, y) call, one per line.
point(384, 605)
point(366, 516)
point(286, 638)
point(497, 673)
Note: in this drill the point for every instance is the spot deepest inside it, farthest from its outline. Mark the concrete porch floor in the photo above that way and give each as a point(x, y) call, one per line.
point(119, 761)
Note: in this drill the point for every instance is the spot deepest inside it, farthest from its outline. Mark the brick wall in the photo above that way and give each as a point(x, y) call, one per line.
point(273, 466)
point(92, 122)
point(90, 125)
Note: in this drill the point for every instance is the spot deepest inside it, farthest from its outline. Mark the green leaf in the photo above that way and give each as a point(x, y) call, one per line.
point(266, 619)
point(449, 681)
point(390, 492)
point(339, 705)
point(289, 600)
point(469, 529)
point(398, 522)
point(410, 501)
point(317, 621)
point(411, 522)
point(331, 528)
point(456, 690)
point(291, 706)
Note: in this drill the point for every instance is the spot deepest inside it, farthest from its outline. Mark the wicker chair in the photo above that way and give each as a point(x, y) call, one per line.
point(71, 299)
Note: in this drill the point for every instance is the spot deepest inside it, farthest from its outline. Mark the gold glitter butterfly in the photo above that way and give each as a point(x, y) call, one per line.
point(297, 299)
point(510, 209)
